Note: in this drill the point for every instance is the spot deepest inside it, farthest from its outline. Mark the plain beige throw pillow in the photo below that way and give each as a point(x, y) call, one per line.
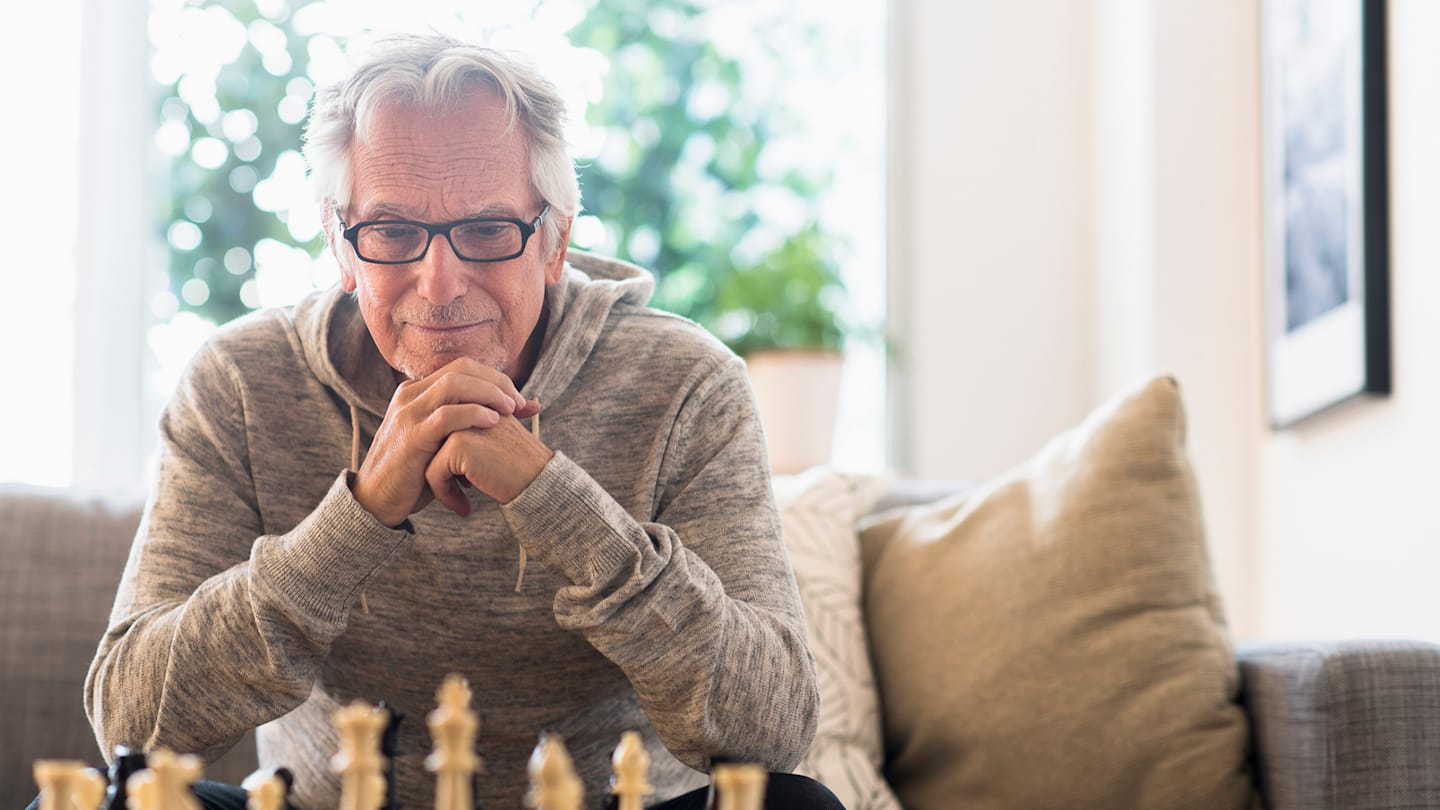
point(1054, 638)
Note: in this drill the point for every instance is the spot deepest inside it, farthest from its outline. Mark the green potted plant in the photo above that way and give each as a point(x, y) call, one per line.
point(783, 315)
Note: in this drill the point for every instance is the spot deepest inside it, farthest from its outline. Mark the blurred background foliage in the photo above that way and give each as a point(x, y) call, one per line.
point(697, 172)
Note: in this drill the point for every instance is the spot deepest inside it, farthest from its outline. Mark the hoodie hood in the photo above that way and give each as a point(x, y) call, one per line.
point(338, 347)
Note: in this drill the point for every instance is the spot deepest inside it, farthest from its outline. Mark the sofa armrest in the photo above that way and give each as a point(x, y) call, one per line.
point(1353, 725)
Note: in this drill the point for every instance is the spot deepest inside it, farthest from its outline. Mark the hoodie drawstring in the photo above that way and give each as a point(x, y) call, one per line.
point(355, 467)
point(520, 577)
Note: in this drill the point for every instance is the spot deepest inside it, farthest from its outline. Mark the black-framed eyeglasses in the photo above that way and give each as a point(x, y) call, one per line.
point(478, 239)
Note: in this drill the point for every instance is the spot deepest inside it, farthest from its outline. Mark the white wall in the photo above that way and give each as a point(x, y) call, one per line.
point(1207, 302)
point(1178, 244)
point(1350, 517)
point(989, 147)
point(1078, 189)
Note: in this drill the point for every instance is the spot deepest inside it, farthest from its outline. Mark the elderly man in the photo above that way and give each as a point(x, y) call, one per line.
point(270, 584)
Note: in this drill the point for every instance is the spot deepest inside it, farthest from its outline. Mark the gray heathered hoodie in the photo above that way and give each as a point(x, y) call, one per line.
point(658, 596)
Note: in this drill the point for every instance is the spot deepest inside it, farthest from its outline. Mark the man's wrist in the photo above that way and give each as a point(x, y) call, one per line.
point(352, 480)
point(525, 478)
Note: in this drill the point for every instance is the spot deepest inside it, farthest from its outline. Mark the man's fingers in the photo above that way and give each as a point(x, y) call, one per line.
point(441, 477)
point(464, 380)
point(500, 397)
point(448, 419)
point(391, 483)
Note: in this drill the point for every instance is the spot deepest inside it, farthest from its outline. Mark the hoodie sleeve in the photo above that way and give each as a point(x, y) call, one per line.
point(218, 627)
point(698, 607)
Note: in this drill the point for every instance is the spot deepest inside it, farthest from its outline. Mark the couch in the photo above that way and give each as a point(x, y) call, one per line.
point(1351, 725)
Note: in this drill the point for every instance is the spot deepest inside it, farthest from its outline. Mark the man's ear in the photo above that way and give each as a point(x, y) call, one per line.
point(556, 265)
point(336, 242)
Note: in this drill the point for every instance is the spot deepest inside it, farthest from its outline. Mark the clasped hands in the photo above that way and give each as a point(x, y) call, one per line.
point(457, 427)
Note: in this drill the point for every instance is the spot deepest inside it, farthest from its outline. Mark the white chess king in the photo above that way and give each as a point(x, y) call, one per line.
point(453, 727)
point(359, 763)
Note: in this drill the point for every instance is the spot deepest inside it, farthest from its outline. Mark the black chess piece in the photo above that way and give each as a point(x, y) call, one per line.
point(122, 767)
point(288, 777)
point(389, 747)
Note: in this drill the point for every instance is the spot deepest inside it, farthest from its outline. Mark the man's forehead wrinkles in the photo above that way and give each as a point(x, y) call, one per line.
point(435, 197)
point(393, 167)
point(438, 170)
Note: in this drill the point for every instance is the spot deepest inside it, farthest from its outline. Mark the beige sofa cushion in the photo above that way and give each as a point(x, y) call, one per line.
point(818, 511)
point(1054, 638)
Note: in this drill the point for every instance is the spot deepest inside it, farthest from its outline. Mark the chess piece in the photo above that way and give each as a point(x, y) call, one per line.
point(740, 786)
point(124, 765)
point(631, 763)
point(166, 782)
point(268, 789)
point(389, 748)
point(553, 783)
point(362, 783)
point(453, 727)
point(90, 789)
point(67, 784)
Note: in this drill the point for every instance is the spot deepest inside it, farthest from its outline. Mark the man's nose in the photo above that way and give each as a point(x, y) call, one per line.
point(442, 277)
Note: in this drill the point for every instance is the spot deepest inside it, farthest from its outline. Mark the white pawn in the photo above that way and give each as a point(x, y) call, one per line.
point(68, 785)
point(359, 763)
point(265, 790)
point(553, 783)
point(165, 782)
point(89, 791)
point(631, 763)
point(740, 786)
point(453, 727)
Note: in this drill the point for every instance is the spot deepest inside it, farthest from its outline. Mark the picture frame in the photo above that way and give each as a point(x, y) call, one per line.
point(1325, 218)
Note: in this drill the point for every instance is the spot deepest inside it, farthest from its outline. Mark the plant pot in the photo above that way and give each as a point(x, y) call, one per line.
point(799, 393)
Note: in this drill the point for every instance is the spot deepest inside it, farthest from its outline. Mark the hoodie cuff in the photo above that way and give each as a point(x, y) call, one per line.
point(572, 526)
point(319, 565)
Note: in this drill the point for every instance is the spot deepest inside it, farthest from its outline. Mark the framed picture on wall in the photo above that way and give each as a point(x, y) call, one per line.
point(1327, 322)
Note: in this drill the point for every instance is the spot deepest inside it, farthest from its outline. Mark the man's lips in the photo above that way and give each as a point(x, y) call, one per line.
point(446, 328)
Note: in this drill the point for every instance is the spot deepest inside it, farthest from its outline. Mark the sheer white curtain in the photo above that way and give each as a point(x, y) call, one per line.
point(38, 212)
point(118, 257)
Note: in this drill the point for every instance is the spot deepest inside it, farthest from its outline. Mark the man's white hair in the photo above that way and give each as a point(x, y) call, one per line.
point(436, 72)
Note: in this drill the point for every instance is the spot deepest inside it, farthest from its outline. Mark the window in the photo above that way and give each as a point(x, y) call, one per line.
point(784, 110)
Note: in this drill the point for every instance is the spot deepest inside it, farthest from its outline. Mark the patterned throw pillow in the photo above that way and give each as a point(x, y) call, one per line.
point(818, 510)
